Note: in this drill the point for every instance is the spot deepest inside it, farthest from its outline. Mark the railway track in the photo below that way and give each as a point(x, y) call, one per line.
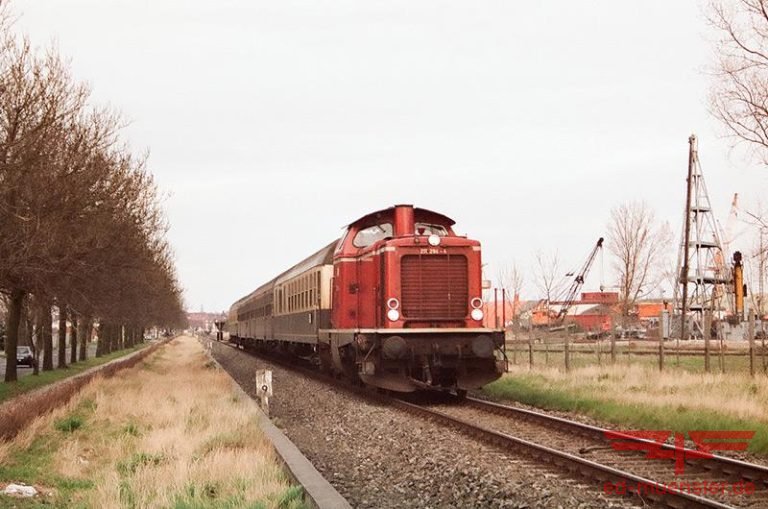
point(585, 452)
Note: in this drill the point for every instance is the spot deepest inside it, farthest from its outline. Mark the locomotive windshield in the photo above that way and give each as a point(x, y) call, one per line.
point(431, 229)
point(372, 234)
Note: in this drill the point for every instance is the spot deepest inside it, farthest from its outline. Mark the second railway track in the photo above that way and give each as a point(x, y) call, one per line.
point(585, 450)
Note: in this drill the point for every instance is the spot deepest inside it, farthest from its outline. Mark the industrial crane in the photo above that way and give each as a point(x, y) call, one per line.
point(578, 281)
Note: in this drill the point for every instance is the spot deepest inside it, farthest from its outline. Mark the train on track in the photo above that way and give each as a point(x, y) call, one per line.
point(396, 303)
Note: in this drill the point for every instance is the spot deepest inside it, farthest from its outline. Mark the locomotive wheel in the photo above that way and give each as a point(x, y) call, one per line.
point(324, 354)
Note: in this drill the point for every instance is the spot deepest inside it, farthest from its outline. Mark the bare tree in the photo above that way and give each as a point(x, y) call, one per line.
point(549, 277)
point(739, 94)
point(511, 279)
point(638, 243)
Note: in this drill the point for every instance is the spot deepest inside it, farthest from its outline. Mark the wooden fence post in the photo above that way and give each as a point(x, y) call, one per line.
point(707, 335)
point(613, 348)
point(722, 355)
point(567, 353)
point(751, 333)
point(661, 354)
point(598, 348)
point(530, 351)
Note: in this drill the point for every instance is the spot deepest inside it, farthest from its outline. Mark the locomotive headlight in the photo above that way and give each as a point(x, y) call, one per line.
point(393, 303)
point(393, 315)
point(476, 303)
point(434, 240)
point(476, 314)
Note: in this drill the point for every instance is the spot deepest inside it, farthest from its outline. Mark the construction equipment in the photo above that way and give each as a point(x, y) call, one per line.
point(703, 277)
point(739, 288)
point(578, 281)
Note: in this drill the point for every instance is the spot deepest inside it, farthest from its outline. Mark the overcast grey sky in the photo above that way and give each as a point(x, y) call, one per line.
point(273, 124)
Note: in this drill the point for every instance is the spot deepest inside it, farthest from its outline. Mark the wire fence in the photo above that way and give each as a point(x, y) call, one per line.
point(566, 353)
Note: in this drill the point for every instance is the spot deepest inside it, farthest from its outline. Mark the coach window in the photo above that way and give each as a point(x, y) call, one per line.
point(372, 234)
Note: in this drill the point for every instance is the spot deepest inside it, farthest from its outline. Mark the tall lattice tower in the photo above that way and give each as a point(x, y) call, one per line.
point(701, 264)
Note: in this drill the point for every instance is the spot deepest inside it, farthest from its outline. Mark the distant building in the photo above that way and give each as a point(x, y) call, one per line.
point(203, 321)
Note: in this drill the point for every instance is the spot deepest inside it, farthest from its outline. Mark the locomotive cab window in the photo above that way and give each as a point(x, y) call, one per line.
point(430, 229)
point(372, 234)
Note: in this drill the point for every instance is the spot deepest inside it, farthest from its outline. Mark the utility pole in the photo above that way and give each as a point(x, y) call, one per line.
point(687, 234)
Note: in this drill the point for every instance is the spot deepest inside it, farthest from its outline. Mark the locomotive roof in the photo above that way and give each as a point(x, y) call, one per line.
point(419, 214)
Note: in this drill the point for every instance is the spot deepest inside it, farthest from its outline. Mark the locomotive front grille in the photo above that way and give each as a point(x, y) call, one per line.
point(434, 287)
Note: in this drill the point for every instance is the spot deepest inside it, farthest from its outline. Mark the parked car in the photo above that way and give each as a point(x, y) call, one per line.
point(24, 356)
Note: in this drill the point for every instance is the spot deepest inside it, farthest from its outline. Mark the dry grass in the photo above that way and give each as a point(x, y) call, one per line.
point(22, 401)
point(167, 433)
point(640, 397)
point(734, 394)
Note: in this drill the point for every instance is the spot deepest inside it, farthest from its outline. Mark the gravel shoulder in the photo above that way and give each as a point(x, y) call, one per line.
point(381, 457)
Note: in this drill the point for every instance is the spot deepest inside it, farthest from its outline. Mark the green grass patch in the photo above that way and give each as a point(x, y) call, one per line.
point(131, 429)
point(213, 496)
point(33, 466)
point(28, 383)
point(231, 440)
point(69, 424)
point(137, 461)
point(532, 389)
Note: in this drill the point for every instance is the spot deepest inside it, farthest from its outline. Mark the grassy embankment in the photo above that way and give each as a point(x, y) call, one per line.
point(640, 397)
point(31, 382)
point(167, 433)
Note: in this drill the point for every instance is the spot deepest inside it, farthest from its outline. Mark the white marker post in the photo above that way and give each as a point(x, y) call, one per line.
point(264, 388)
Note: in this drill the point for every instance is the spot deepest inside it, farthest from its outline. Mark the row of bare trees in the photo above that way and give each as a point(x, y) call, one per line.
point(81, 228)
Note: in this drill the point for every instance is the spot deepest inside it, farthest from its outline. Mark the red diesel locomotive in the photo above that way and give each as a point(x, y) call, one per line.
point(395, 302)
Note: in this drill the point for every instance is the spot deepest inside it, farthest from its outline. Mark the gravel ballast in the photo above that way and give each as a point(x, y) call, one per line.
point(381, 457)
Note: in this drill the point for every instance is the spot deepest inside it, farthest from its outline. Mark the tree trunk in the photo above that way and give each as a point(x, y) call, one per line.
point(46, 335)
point(62, 336)
point(73, 337)
point(113, 331)
point(34, 327)
point(15, 304)
point(84, 334)
point(117, 331)
point(101, 344)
